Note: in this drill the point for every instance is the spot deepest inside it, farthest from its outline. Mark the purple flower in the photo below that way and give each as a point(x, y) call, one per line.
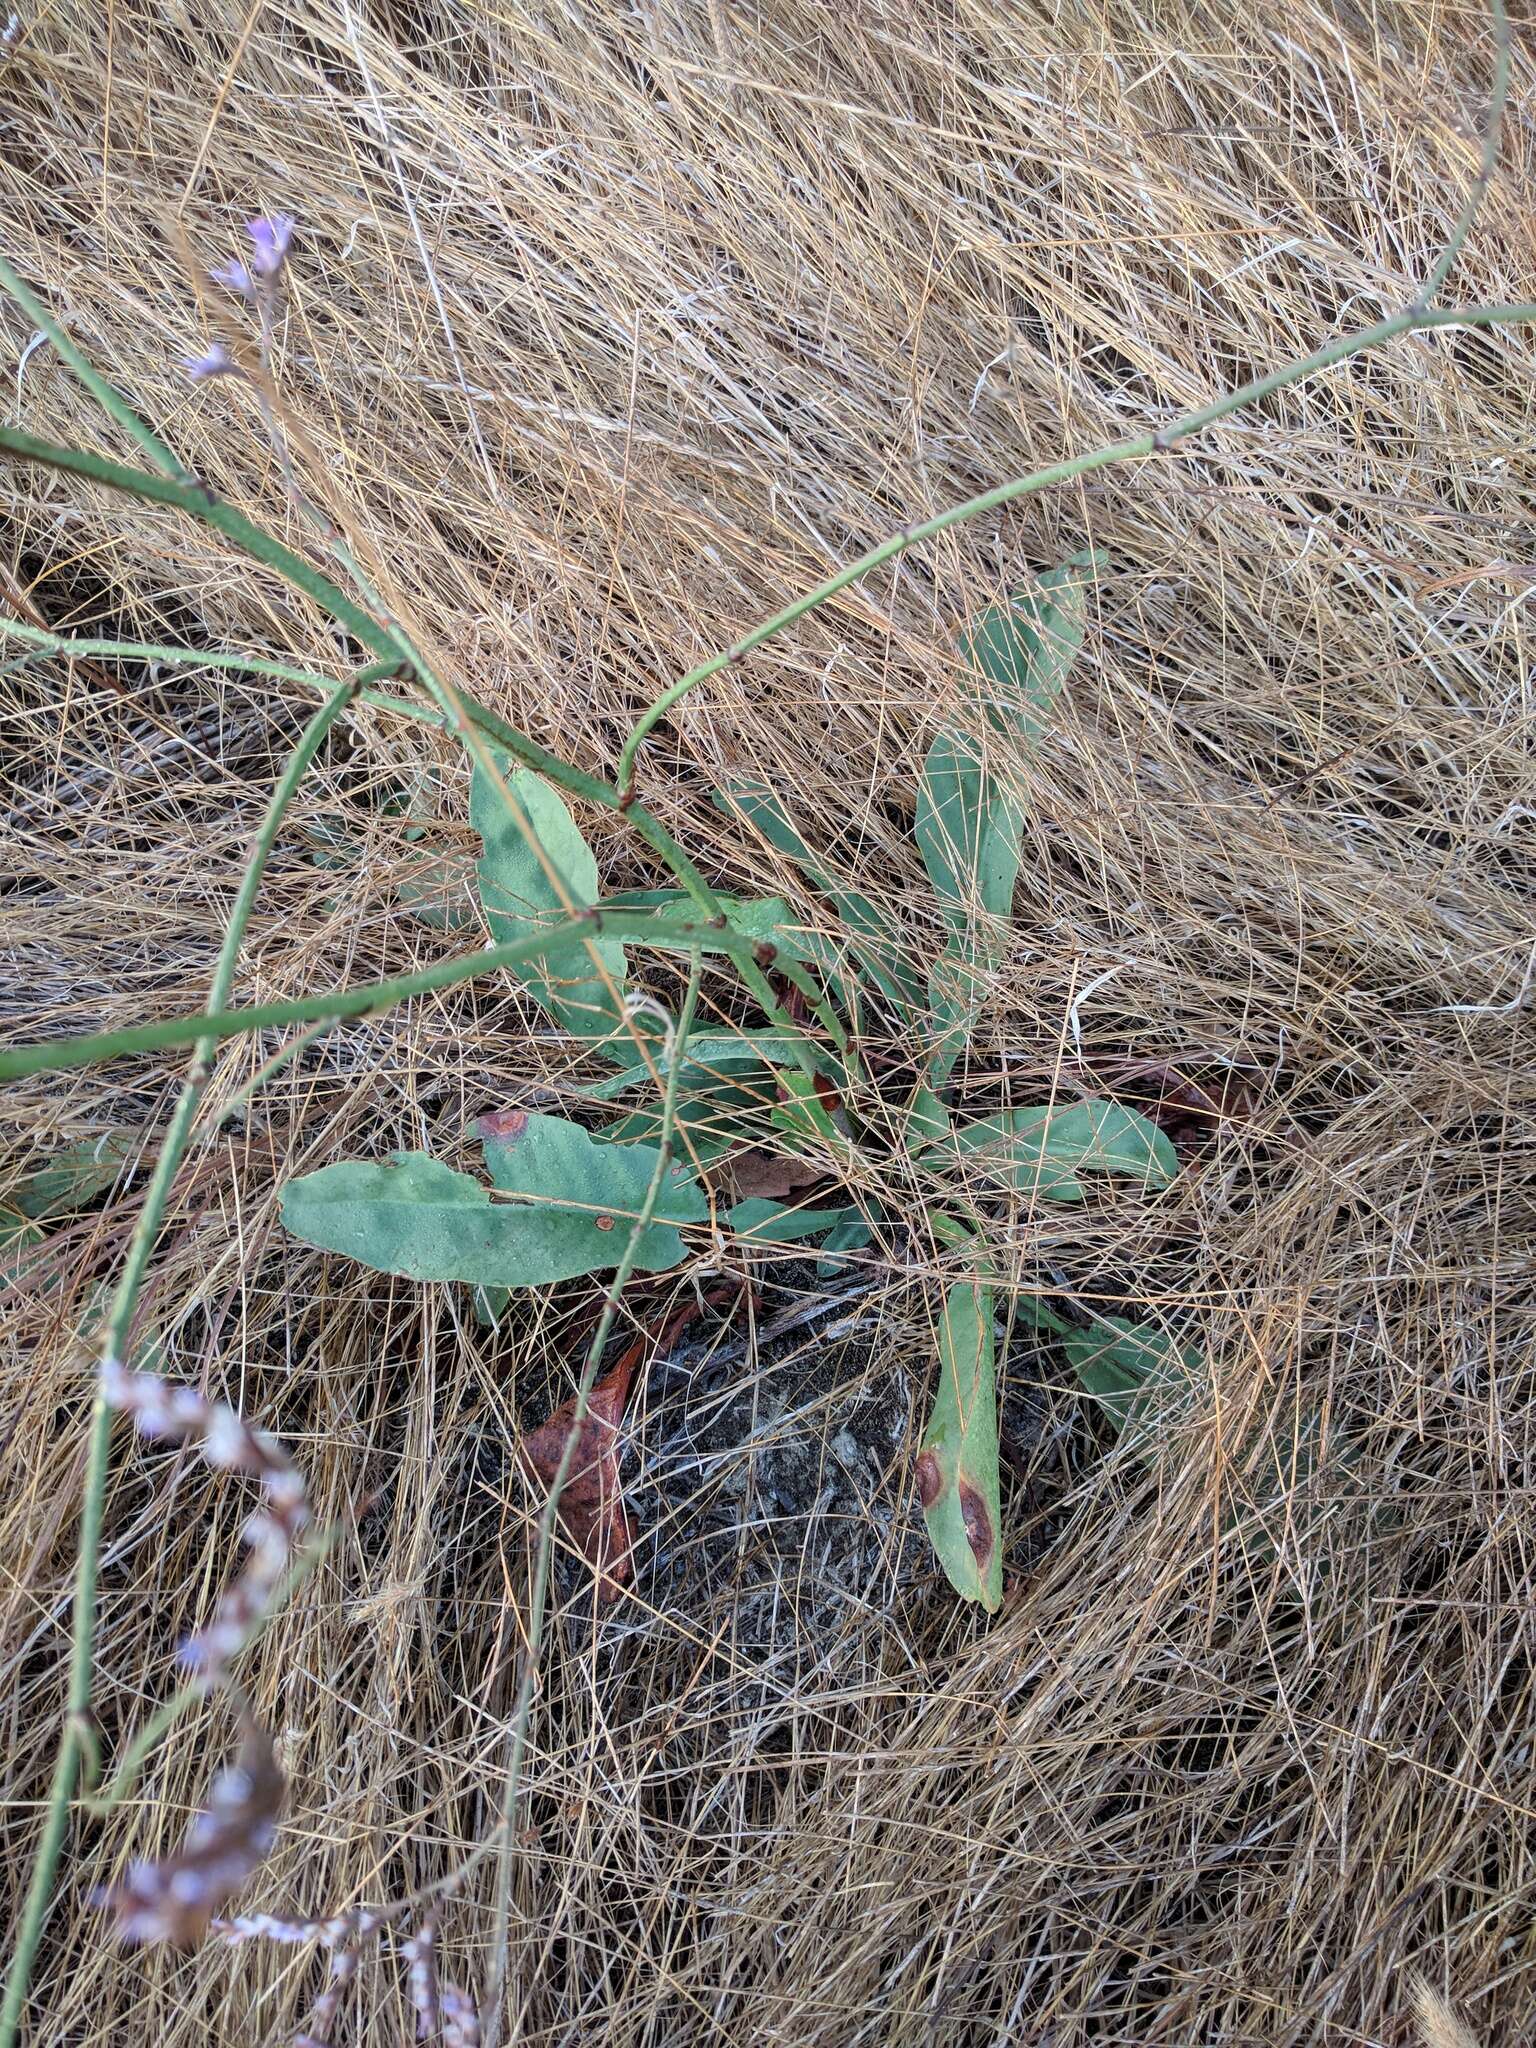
point(270, 240)
point(236, 276)
point(216, 361)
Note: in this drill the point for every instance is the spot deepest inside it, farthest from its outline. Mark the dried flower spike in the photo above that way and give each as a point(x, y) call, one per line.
point(174, 1901)
point(460, 2020)
point(230, 1444)
point(420, 1952)
point(322, 2016)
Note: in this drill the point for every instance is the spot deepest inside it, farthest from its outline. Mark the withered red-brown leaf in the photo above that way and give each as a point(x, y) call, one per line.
point(591, 1501)
point(755, 1172)
point(174, 1901)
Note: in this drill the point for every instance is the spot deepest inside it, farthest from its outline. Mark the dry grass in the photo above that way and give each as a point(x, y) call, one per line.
point(701, 300)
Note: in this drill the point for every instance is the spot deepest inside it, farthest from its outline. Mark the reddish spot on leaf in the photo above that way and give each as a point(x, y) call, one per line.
point(978, 1525)
point(503, 1125)
point(929, 1479)
point(827, 1095)
point(605, 1223)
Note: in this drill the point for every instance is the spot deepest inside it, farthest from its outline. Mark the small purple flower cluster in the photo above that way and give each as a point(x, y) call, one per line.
point(270, 239)
point(254, 279)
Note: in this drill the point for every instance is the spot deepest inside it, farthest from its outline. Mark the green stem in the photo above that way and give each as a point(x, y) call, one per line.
point(544, 1558)
point(1493, 129)
point(1411, 320)
point(40, 1889)
point(639, 927)
point(199, 502)
point(455, 712)
point(111, 402)
point(72, 1749)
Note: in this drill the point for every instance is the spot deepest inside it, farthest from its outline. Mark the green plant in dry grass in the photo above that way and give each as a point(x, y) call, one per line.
point(558, 1192)
point(570, 951)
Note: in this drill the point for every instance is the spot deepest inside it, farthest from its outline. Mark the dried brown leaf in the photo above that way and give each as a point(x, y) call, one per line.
point(591, 1501)
point(774, 1175)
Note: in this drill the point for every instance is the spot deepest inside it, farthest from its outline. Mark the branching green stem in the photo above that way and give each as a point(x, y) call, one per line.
point(72, 647)
point(172, 486)
point(1493, 129)
point(1411, 320)
point(457, 712)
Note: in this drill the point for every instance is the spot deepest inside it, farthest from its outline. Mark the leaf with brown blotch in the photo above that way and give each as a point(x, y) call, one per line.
point(174, 1901)
point(957, 1468)
point(591, 1501)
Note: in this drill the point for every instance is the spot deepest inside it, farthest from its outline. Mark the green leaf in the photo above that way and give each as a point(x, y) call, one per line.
point(490, 1305)
point(957, 1470)
point(801, 1113)
point(714, 1111)
point(19, 1238)
point(519, 897)
point(969, 828)
point(927, 1120)
point(1042, 1151)
point(968, 832)
point(1141, 1377)
point(1148, 1384)
point(1024, 650)
point(762, 1220)
point(882, 954)
point(765, 918)
point(435, 895)
point(738, 1058)
point(954, 997)
point(414, 1216)
point(18, 1229)
point(851, 1235)
point(551, 1159)
point(73, 1177)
